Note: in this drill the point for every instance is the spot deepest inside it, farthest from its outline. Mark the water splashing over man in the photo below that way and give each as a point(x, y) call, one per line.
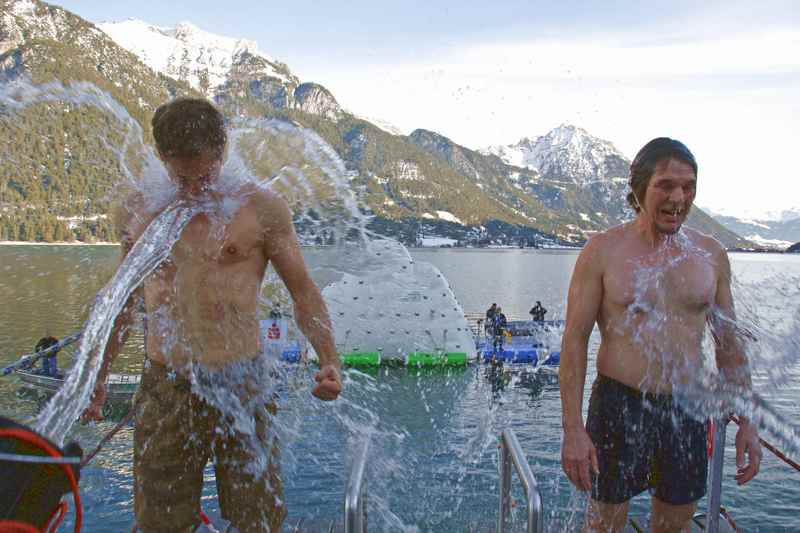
point(205, 389)
point(651, 286)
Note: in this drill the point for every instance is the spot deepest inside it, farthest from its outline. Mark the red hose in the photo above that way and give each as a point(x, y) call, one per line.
point(12, 526)
point(33, 439)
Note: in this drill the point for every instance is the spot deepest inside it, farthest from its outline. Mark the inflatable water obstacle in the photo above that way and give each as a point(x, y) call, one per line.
point(526, 343)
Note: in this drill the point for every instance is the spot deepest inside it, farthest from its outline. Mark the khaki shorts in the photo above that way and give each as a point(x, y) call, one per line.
point(177, 432)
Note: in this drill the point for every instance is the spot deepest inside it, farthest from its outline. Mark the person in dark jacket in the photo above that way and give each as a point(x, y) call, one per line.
point(49, 361)
point(538, 312)
point(499, 330)
point(489, 324)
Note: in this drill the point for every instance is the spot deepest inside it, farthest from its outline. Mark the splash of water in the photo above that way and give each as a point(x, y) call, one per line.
point(273, 155)
point(147, 254)
point(687, 362)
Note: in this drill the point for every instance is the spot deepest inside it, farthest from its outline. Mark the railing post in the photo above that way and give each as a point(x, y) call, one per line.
point(505, 485)
point(717, 462)
point(355, 498)
point(511, 452)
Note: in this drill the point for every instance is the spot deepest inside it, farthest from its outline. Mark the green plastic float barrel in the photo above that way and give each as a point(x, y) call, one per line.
point(415, 359)
point(360, 359)
point(426, 359)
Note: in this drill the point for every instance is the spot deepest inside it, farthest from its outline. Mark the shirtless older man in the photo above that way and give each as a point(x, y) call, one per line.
point(651, 286)
point(205, 380)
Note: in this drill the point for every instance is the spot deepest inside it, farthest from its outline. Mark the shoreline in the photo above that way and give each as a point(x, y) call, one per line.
point(63, 243)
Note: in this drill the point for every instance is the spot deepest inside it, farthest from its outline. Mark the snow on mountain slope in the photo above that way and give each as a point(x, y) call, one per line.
point(186, 52)
point(565, 152)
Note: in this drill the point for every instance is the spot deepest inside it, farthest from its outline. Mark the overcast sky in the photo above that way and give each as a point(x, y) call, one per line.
point(721, 76)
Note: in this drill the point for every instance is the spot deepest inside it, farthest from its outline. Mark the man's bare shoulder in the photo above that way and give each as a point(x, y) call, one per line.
point(705, 243)
point(603, 243)
point(270, 206)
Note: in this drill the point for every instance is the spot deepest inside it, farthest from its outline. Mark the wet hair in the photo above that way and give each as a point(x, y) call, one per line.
point(189, 127)
point(646, 163)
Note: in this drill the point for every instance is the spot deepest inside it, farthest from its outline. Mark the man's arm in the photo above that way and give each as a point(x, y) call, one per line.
point(732, 363)
point(311, 313)
point(578, 454)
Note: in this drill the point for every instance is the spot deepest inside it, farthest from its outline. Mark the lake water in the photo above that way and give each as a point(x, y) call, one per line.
point(434, 465)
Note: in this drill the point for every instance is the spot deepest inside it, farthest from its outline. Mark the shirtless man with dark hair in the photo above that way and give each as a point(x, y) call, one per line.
point(201, 308)
point(651, 286)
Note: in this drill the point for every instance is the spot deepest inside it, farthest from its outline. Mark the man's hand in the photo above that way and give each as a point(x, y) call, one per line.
point(747, 443)
point(329, 383)
point(94, 413)
point(579, 458)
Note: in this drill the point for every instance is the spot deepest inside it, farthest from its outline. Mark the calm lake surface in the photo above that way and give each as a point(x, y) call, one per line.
point(433, 466)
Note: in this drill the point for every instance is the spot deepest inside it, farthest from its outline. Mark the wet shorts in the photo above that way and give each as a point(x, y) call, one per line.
point(645, 441)
point(177, 433)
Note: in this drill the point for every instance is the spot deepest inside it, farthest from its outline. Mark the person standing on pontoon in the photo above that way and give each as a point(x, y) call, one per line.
point(651, 286)
point(537, 312)
point(205, 387)
point(499, 326)
point(488, 326)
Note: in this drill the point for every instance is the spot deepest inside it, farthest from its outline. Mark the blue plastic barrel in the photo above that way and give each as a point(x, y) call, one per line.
point(554, 359)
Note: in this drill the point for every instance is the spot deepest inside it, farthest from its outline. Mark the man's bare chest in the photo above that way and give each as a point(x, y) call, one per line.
point(668, 283)
point(213, 252)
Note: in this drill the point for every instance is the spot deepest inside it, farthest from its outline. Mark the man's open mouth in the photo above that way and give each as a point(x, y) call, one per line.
point(673, 212)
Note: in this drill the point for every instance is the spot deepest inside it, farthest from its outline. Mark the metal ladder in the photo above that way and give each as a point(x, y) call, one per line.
point(355, 500)
point(511, 453)
point(355, 496)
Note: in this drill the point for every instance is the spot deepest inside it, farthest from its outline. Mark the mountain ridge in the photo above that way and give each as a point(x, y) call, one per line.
point(401, 178)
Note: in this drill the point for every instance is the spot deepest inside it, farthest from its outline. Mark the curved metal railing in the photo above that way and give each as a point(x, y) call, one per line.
point(511, 453)
point(355, 497)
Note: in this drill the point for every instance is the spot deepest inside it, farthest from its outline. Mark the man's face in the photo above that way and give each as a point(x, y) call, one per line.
point(193, 174)
point(669, 195)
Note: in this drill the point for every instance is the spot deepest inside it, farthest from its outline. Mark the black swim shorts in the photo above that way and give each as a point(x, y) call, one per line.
point(645, 441)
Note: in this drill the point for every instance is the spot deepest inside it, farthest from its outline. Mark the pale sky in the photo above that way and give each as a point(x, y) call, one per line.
point(723, 77)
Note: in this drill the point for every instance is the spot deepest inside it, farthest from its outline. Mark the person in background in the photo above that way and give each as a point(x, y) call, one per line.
point(500, 324)
point(537, 312)
point(49, 361)
point(488, 325)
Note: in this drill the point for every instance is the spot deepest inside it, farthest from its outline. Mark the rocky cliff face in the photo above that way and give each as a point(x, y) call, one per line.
point(446, 149)
point(317, 100)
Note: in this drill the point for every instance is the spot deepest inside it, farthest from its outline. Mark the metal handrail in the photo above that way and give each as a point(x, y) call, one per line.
point(510, 449)
point(717, 462)
point(355, 497)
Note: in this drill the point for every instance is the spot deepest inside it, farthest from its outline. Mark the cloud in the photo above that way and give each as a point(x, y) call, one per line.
point(723, 97)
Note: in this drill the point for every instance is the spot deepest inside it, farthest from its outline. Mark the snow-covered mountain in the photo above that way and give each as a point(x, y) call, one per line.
point(771, 230)
point(757, 216)
point(577, 189)
point(571, 156)
point(222, 68)
point(187, 53)
point(566, 152)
